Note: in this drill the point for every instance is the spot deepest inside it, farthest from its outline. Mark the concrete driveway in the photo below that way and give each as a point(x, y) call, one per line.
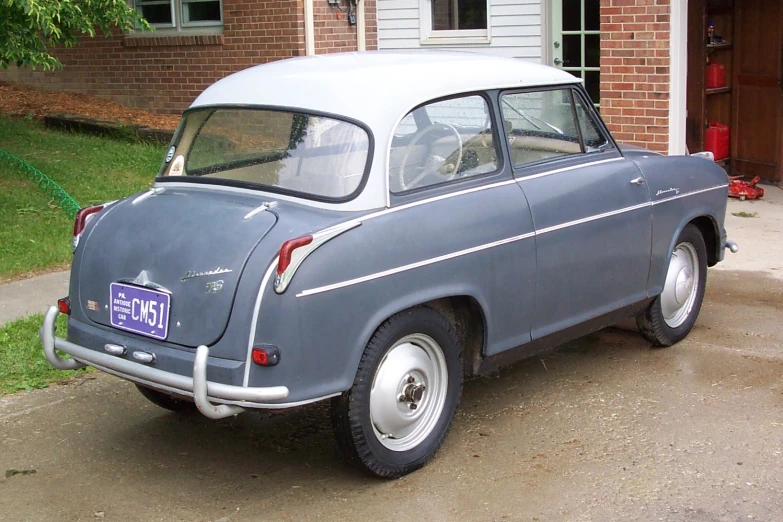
point(605, 429)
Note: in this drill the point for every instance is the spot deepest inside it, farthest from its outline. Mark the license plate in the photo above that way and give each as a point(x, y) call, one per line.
point(140, 310)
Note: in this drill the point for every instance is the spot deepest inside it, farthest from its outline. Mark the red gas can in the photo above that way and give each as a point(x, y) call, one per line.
point(716, 140)
point(716, 75)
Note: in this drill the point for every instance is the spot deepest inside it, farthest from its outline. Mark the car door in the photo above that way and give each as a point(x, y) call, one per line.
point(590, 206)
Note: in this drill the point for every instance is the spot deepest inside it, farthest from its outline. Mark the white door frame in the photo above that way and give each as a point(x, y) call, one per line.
point(678, 74)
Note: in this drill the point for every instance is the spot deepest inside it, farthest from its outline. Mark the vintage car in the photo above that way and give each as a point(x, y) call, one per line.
point(372, 228)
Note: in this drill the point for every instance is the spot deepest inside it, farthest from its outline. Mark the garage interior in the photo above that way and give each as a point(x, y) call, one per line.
point(735, 84)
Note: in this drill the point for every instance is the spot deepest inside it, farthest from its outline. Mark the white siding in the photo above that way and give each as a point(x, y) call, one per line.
point(514, 26)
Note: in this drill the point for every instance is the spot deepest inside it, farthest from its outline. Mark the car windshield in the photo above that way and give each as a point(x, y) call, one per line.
point(284, 151)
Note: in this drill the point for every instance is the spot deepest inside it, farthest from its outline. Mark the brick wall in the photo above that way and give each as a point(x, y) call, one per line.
point(166, 73)
point(333, 33)
point(635, 71)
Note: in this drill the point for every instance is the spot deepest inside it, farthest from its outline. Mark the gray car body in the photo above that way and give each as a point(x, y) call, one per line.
point(521, 260)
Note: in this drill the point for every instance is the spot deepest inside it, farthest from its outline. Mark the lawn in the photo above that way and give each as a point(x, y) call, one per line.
point(22, 362)
point(35, 234)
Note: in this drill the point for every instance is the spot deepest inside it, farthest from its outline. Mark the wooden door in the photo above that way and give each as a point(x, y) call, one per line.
point(757, 129)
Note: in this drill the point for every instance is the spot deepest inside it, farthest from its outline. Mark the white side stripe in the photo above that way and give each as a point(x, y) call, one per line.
point(254, 321)
point(479, 248)
point(411, 266)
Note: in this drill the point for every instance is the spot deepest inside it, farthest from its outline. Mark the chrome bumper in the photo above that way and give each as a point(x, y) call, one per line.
point(197, 386)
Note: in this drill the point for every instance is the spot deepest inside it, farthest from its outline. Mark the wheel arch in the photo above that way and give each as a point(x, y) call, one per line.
point(465, 310)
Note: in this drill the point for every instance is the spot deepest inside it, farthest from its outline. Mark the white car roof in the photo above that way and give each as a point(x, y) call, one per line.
point(377, 88)
point(361, 84)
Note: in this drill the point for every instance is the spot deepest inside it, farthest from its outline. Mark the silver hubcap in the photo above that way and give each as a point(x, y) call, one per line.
point(682, 285)
point(408, 392)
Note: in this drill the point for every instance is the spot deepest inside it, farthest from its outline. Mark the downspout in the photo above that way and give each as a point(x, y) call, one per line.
point(361, 44)
point(309, 28)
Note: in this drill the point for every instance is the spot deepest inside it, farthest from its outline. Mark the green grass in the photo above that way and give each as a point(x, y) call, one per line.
point(35, 234)
point(22, 362)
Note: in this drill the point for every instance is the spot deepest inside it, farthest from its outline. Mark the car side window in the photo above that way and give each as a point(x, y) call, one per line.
point(443, 141)
point(540, 125)
point(594, 139)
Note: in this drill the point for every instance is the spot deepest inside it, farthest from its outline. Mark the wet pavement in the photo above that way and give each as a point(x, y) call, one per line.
point(605, 429)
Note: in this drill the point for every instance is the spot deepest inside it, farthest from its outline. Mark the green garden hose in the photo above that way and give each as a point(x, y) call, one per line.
point(45, 183)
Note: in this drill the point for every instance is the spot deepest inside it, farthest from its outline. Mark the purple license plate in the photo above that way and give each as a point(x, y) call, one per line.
point(140, 310)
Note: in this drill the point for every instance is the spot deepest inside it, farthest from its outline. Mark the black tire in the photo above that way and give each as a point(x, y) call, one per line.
point(652, 323)
point(166, 401)
point(351, 418)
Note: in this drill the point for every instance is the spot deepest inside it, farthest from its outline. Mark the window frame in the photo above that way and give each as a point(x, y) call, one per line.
point(160, 178)
point(429, 36)
point(576, 91)
point(178, 24)
point(496, 137)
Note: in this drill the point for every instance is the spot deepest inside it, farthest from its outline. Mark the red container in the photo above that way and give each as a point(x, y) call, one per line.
point(716, 140)
point(716, 75)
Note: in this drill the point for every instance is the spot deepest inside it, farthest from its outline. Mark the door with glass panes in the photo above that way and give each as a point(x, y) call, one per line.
point(576, 41)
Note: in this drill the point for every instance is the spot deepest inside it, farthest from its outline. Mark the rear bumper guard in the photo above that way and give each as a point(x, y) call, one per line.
point(197, 386)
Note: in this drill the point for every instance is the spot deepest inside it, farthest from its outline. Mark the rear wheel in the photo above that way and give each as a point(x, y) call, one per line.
point(670, 317)
point(404, 397)
point(166, 401)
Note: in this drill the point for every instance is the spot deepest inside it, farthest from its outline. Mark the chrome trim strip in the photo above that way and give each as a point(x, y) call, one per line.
point(254, 320)
point(445, 257)
point(716, 187)
point(591, 218)
point(411, 266)
point(565, 169)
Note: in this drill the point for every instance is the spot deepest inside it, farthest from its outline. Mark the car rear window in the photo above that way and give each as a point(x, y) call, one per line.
point(310, 155)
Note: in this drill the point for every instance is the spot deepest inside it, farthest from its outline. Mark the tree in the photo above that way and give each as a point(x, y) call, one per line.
point(29, 29)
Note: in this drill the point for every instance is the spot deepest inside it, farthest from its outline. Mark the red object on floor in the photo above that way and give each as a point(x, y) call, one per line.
point(716, 75)
point(745, 189)
point(716, 140)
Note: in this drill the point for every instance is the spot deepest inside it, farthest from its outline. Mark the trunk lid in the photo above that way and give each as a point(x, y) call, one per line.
point(193, 243)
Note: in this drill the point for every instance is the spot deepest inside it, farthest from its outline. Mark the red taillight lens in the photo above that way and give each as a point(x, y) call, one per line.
point(81, 218)
point(64, 305)
point(266, 355)
point(288, 249)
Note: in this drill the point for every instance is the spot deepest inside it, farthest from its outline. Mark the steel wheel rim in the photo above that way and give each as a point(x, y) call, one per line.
point(682, 285)
point(415, 361)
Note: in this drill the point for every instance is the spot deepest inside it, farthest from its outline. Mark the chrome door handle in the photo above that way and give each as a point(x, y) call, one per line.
point(558, 62)
point(638, 181)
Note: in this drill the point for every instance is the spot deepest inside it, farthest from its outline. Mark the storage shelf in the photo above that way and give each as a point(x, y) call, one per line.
point(725, 45)
point(718, 90)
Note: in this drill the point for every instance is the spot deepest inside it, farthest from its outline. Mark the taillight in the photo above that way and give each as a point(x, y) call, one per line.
point(81, 218)
point(287, 251)
point(294, 251)
point(81, 221)
point(266, 355)
point(64, 305)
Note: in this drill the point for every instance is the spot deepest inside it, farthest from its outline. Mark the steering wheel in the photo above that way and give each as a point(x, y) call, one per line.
point(426, 169)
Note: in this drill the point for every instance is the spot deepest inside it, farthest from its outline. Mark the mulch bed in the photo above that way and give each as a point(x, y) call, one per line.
point(84, 112)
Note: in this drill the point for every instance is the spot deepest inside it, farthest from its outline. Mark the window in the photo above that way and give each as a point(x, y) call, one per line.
point(443, 141)
point(576, 35)
point(181, 14)
point(454, 21)
point(594, 139)
point(280, 151)
point(540, 125)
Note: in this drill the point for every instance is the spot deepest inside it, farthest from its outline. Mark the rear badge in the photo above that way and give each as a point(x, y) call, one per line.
point(215, 286)
point(92, 305)
point(190, 274)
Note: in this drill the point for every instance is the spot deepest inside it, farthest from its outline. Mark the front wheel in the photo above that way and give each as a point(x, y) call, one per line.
point(670, 317)
point(404, 397)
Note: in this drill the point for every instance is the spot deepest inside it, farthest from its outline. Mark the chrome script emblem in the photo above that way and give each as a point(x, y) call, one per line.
point(192, 275)
point(215, 286)
point(667, 191)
